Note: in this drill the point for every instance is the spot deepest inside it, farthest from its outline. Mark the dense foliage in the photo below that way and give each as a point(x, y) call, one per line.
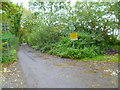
point(49, 25)
point(46, 27)
point(11, 16)
point(14, 44)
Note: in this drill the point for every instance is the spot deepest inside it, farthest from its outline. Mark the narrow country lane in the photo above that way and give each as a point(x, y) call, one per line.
point(46, 71)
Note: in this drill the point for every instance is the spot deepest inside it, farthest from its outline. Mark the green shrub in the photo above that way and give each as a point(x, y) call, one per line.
point(88, 44)
point(74, 53)
point(114, 41)
point(82, 47)
point(14, 44)
point(41, 38)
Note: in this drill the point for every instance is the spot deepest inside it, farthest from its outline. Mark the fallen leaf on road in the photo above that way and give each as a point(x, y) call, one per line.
point(11, 87)
point(90, 72)
point(58, 64)
point(63, 67)
point(94, 86)
point(101, 69)
point(72, 64)
point(14, 63)
point(106, 75)
point(45, 58)
point(40, 56)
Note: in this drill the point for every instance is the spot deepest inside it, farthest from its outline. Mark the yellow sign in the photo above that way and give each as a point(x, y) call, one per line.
point(73, 36)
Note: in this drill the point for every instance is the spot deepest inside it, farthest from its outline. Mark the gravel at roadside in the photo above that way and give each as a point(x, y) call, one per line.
point(12, 77)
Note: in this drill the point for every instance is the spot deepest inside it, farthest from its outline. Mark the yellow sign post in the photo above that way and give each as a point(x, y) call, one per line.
point(73, 36)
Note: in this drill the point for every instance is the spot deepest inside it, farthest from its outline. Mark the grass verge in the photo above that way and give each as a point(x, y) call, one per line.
point(108, 58)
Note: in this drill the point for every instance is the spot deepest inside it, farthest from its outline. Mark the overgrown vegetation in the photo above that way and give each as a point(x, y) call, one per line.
point(11, 16)
point(13, 44)
point(46, 27)
point(50, 23)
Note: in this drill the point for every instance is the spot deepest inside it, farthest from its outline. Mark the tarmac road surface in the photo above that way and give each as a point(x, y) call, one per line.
point(47, 71)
